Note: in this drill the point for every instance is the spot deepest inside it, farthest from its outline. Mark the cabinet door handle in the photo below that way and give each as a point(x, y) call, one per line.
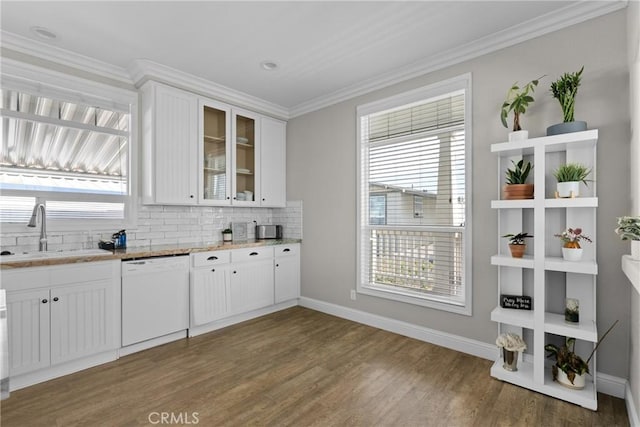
point(191, 196)
point(286, 250)
point(234, 198)
point(212, 258)
point(253, 254)
point(213, 269)
point(56, 299)
point(277, 265)
point(264, 200)
point(228, 197)
point(44, 301)
point(234, 271)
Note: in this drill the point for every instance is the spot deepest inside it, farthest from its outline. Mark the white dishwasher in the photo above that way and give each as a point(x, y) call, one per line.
point(155, 298)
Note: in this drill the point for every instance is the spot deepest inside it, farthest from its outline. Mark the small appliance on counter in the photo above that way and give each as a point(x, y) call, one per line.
point(268, 232)
point(118, 241)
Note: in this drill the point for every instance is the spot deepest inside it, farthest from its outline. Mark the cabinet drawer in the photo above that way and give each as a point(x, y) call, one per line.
point(286, 250)
point(25, 278)
point(80, 273)
point(251, 254)
point(201, 259)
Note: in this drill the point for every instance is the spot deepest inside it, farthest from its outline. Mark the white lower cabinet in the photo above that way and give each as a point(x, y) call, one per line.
point(233, 282)
point(210, 289)
point(287, 272)
point(251, 285)
point(61, 313)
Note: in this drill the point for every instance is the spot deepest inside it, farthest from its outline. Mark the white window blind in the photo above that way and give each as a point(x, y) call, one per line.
point(413, 195)
point(72, 156)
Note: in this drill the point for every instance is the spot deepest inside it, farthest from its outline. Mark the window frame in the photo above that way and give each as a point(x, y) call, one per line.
point(39, 81)
point(462, 82)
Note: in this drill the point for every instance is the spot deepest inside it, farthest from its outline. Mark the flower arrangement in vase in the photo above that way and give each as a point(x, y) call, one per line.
point(511, 344)
point(571, 250)
point(629, 229)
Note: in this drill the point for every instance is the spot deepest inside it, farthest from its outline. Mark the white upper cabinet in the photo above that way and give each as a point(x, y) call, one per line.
point(198, 151)
point(273, 159)
point(169, 145)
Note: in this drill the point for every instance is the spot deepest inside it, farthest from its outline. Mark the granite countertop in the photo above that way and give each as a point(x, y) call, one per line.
point(144, 252)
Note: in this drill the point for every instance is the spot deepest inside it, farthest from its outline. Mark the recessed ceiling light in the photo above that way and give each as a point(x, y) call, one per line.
point(44, 33)
point(268, 65)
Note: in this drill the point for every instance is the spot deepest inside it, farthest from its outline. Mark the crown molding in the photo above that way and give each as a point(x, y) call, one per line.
point(142, 70)
point(49, 52)
point(565, 17)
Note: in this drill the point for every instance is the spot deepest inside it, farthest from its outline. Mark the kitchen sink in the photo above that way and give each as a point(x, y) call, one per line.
point(29, 256)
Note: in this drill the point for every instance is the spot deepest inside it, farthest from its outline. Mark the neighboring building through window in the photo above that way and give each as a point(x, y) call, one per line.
point(73, 156)
point(414, 161)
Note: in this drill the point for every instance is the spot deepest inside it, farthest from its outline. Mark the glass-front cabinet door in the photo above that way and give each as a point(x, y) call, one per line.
point(245, 134)
point(215, 156)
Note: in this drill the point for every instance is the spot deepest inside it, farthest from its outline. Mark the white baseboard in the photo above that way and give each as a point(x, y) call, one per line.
point(154, 342)
point(228, 321)
point(607, 384)
point(42, 375)
point(443, 339)
point(632, 411)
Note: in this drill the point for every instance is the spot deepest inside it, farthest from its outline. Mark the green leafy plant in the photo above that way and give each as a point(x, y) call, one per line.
point(518, 101)
point(517, 239)
point(628, 228)
point(568, 361)
point(520, 172)
point(565, 90)
point(572, 172)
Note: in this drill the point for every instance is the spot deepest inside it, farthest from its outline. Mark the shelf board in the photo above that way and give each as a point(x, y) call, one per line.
point(585, 139)
point(511, 316)
point(578, 202)
point(512, 204)
point(243, 145)
point(244, 173)
point(509, 261)
point(559, 264)
point(215, 171)
point(523, 377)
point(585, 330)
point(209, 138)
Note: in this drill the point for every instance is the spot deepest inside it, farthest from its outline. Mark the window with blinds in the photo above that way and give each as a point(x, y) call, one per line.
point(71, 156)
point(413, 197)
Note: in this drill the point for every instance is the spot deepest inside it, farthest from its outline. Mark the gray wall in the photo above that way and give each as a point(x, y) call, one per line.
point(321, 171)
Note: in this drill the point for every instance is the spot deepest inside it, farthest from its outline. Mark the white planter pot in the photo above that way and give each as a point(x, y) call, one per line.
point(227, 237)
point(572, 254)
point(578, 380)
point(519, 135)
point(635, 250)
point(569, 189)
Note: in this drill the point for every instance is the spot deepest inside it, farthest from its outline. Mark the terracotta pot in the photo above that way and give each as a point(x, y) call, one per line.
point(517, 251)
point(518, 191)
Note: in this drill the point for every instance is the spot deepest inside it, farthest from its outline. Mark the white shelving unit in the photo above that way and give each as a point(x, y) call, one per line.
point(542, 274)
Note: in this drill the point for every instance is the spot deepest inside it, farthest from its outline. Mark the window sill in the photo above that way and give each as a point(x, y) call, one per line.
point(408, 298)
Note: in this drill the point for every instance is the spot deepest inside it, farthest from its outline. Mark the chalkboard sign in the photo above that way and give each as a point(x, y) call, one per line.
point(519, 302)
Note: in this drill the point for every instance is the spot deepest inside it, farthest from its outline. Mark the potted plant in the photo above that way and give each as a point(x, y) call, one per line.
point(518, 101)
point(629, 229)
point(511, 344)
point(227, 235)
point(570, 370)
point(569, 177)
point(516, 178)
point(571, 250)
point(517, 244)
point(565, 90)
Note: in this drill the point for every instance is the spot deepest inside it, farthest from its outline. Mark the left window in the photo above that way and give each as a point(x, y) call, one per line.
point(71, 152)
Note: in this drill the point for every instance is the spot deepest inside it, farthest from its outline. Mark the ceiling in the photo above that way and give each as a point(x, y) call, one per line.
point(321, 48)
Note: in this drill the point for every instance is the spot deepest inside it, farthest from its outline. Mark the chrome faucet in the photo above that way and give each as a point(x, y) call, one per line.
point(43, 225)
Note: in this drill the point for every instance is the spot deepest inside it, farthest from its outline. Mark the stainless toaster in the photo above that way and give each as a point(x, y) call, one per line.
point(268, 232)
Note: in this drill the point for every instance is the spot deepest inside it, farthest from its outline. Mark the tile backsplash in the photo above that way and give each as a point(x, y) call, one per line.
point(160, 225)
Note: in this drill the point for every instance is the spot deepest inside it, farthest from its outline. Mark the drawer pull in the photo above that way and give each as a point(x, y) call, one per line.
point(234, 272)
point(253, 254)
point(286, 250)
point(44, 301)
point(212, 258)
point(213, 269)
point(56, 299)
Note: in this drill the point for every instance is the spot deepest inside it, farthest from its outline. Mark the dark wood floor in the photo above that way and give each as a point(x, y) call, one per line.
point(297, 367)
